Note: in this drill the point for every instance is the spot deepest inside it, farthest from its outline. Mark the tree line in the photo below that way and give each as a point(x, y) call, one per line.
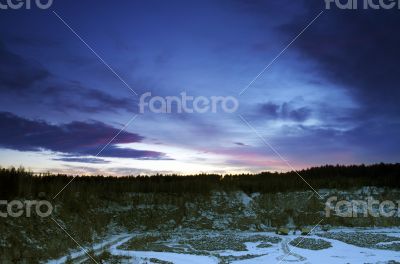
point(18, 182)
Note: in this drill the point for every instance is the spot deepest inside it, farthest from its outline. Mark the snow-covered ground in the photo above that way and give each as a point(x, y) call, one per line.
point(281, 251)
point(339, 253)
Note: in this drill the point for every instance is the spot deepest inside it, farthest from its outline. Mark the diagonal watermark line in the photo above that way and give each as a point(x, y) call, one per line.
point(280, 54)
point(276, 152)
point(122, 129)
point(86, 252)
point(290, 251)
point(94, 52)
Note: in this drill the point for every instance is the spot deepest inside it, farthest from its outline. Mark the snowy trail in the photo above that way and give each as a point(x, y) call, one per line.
point(80, 256)
point(288, 253)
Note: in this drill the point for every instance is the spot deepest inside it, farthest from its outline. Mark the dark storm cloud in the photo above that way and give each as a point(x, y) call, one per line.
point(76, 97)
point(75, 138)
point(285, 111)
point(357, 49)
point(354, 50)
point(28, 80)
point(18, 73)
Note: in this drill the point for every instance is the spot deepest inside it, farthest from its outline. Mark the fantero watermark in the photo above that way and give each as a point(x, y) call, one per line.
point(361, 208)
point(26, 208)
point(187, 104)
point(362, 4)
point(25, 4)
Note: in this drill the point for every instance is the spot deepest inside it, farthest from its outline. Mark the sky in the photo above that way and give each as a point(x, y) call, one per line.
point(72, 77)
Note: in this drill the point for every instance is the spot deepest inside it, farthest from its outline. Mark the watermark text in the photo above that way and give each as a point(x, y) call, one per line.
point(27, 208)
point(362, 4)
point(361, 208)
point(187, 104)
point(25, 4)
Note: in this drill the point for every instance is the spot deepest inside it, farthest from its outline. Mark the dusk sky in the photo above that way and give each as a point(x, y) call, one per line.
point(331, 97)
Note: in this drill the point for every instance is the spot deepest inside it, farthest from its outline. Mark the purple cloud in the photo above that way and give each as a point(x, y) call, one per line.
point(83, 160)
point(75, 138)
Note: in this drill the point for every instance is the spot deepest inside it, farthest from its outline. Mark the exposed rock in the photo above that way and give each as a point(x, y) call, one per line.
point(310, 243)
